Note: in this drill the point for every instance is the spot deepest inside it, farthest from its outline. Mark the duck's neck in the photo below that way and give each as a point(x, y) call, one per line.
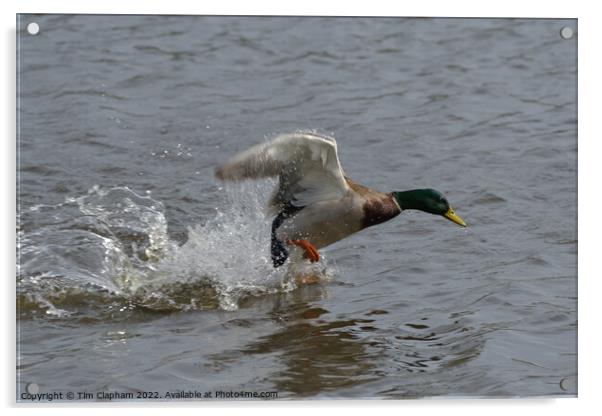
point(408, 199)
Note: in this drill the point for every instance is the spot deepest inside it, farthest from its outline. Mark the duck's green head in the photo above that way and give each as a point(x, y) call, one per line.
point(427, 200)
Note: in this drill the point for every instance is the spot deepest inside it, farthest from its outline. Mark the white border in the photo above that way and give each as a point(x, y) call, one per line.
point(590, 202)
point(459, 8)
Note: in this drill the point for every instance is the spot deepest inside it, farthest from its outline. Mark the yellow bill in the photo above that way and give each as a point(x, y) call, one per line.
point(452, 216)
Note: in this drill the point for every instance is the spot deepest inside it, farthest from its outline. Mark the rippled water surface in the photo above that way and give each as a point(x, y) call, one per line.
point(139, 272)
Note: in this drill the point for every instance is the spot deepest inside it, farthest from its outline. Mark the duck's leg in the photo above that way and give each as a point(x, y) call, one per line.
point(311, 253)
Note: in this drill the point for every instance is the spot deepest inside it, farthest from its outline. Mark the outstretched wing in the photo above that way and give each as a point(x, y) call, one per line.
point(307, 165)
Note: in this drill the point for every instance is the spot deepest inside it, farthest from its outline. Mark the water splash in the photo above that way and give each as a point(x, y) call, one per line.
point(111, 248)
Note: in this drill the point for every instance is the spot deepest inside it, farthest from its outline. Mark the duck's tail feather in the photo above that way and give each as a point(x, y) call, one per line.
point(279, 252)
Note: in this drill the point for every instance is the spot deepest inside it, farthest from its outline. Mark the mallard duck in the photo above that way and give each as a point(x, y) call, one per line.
point(315, 204)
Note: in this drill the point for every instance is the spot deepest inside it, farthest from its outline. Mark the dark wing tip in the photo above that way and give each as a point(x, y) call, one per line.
point(220, 173)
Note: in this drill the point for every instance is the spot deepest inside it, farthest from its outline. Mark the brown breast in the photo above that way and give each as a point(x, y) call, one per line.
point(378, 208)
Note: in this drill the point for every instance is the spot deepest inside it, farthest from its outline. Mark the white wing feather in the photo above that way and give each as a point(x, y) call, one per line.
point(307, 165)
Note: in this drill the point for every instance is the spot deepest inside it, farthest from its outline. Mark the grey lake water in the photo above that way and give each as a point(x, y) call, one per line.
point(139, 272)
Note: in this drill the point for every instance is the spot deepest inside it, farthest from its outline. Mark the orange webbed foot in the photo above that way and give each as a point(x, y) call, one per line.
point(311, 253)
